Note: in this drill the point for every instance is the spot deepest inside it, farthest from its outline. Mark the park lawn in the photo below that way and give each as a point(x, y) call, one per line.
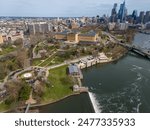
point(3, 107)
point(60, 86)
point(7, 50)
point(36, 61)
point(46, 62)
point(46, 47)
point(52, 61)
point(7, 107)
point(55, 60)
point(49, 48)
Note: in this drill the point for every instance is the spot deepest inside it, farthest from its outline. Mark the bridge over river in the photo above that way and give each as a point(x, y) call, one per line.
point(131, 47)
point(136, 49)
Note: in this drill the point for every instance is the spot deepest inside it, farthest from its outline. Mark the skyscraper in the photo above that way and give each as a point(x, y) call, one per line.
point(141, 17)
point(134, 14)
point(114, 13)
point(122, 12)
point(147, 17)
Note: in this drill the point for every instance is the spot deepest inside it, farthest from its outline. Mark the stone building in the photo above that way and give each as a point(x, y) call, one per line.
point(73, 37)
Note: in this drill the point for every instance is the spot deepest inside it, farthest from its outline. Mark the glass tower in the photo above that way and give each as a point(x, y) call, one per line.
point(122, 12)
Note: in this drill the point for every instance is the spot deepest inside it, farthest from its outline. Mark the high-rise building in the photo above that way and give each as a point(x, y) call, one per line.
point(134, 14)
point(114, 13)
point(147, 17)
point(44, 27)
point(141, 17)
point(122, 12)
point(36, 28)
point(31, 28)
point(134, 17)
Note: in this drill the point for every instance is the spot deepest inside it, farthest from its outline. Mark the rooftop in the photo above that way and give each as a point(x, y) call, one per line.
point(73, 69)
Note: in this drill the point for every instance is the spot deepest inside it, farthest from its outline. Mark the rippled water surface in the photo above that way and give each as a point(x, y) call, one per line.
point(123, 86)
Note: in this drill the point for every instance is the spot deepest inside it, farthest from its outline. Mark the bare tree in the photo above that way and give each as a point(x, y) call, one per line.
point(13, 88)
point(22, 55)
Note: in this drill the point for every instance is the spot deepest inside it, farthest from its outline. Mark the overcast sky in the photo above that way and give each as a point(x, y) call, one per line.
point(66, 8)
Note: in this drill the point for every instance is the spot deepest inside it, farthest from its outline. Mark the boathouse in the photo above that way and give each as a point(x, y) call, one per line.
point(74, 70)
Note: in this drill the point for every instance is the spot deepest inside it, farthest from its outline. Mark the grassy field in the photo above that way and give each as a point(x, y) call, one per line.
point(50, 61)
point(3, 107)
point(60, 85)
point(45, 47)
point(36, 61)
point(7, 50)
point(47, 61)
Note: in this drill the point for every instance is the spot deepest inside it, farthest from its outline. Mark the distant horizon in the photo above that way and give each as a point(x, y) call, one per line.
point(67, 8)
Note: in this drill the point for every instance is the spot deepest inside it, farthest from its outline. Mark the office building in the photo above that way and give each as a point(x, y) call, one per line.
point(114, 13)
point(44, 28)
point(148, 25)
point(134, 16)
point(36, 28)
point(141, 17)
point(122, 13)
point(31, 28)
point(147, 17)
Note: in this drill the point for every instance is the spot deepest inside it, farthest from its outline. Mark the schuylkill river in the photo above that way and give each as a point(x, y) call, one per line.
point(122, 86)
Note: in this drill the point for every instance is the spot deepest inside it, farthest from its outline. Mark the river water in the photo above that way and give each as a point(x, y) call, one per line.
point(122, 86)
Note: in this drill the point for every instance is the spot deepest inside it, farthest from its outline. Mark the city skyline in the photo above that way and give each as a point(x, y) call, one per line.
point(65, 8)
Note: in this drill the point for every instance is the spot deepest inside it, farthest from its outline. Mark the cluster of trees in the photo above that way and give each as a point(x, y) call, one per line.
point(17, 91)
point(22, 56)
point(130, 35)
point(7, 66)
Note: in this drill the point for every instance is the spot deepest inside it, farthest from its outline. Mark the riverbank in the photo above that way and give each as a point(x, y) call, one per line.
point(59, 80)
point(91, 96)
point(35, 106)
point(56, 100)
point(82, 99)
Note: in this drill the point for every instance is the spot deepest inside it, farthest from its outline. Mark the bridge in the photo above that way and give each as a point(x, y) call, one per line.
point(136, 49)
point(145, 32)
point(131, 47)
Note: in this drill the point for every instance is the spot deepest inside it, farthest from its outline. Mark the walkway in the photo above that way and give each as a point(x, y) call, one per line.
point(30, 101)
point(33, 51)
point(54, 52)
